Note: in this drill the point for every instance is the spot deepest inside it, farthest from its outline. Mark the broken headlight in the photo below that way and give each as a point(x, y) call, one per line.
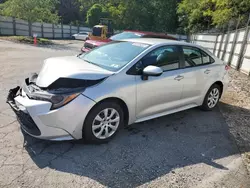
point(57, 100)
point(60, 92)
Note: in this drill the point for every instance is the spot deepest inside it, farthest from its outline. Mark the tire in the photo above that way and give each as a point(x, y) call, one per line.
point(213, 94)
point(98, 134)
point(73, 38)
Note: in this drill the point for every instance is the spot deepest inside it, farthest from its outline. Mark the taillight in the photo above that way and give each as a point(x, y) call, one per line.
point(227, 67)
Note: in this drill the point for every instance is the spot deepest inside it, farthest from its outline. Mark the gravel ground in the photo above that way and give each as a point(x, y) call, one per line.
point(235, 107)
point(187, 149)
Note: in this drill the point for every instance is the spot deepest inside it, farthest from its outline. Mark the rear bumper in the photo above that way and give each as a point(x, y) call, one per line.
point(226, 80)
point(36, 118)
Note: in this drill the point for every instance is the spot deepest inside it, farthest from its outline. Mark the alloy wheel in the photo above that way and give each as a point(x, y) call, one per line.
point(213, 97)
point(105, 123)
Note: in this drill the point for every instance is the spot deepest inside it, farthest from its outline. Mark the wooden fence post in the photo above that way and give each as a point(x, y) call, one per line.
point(62, 30)
point(42, 30)
point(226, 43)
point(14, 26)
point(243, 45)
point(234, 43)
point(53, 31)
point(29, 24)
point(221, 41)
point(215, 44)
point(70, 32)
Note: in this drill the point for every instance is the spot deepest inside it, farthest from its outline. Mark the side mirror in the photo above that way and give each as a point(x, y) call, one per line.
point(152, 71)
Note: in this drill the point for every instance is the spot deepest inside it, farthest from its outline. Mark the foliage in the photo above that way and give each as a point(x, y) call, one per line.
point(94, 14)
point(197, 15)
point(31, 10)
point(229, 9)
point(154, 15)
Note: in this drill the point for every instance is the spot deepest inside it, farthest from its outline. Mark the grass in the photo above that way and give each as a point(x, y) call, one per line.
point(27, 40)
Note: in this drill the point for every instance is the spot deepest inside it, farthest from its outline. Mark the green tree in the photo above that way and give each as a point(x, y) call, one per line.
point(227, 10)
point(94, 14)
point(197, 15)
point(155, 15)
point(31, 10)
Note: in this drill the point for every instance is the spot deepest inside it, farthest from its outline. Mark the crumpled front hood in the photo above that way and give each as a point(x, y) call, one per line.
point(69, 67)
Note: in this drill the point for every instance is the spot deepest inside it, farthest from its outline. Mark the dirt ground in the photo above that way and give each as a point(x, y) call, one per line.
point(235, 107)
point(192, 148)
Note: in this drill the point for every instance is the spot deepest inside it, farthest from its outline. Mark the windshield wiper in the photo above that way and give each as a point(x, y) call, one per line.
point(93, 63)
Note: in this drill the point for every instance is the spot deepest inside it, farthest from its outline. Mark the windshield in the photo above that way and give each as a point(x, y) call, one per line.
point(126, 35)
point(97, 31)
point(115, 55)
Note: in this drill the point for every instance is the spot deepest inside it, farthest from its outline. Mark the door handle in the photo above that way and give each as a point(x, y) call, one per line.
point(207, 71)
point(179, 77)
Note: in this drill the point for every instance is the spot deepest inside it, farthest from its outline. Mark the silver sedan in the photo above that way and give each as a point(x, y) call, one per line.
point(95, 94)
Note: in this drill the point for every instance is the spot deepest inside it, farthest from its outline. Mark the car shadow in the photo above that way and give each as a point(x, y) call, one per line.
point(143, 151)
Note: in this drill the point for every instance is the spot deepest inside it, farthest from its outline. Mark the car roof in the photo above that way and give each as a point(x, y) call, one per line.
point(155, 41)
point(153, 34)
point(145, 32)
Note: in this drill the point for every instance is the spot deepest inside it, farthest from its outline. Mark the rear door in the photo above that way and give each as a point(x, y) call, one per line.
point(199, 72)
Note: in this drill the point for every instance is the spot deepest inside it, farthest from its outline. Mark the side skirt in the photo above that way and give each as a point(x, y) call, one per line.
point(166, 113)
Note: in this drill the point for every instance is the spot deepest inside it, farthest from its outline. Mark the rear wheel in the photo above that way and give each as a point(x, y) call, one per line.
point(103, 122)
point(212, 98)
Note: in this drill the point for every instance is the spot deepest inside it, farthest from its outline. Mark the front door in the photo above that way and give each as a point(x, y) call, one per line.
point(159, 94)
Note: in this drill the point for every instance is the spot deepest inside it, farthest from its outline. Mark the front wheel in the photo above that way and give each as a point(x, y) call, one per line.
point(212, 98)
point(103, 122)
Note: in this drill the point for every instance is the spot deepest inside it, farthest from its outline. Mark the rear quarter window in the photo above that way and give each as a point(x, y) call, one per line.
point(195, 57)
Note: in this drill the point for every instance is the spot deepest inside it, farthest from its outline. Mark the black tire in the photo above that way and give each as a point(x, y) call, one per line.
point(205, 105)
point(88, 135)
point(73, 38)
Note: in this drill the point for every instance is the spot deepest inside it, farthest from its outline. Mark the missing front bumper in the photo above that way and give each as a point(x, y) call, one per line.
point(25, 120)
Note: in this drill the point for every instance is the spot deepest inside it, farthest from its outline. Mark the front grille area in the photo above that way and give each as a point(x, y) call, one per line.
point(88, 45)
point(26, 122)
point(23, 118)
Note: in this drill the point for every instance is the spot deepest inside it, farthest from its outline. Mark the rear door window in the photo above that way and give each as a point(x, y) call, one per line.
point(196, 57)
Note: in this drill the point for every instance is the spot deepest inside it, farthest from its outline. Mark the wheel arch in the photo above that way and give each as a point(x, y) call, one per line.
point(219, 83)
point(118, 101)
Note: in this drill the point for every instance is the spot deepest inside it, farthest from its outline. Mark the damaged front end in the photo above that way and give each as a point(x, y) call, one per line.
point(37, 108)
point(45, 104)
point(59, 93)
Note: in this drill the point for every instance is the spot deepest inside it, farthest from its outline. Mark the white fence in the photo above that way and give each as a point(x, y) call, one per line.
point(232, 47)
point(14, 26)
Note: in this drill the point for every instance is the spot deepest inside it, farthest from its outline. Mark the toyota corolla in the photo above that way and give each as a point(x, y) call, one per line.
point(95, 94)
